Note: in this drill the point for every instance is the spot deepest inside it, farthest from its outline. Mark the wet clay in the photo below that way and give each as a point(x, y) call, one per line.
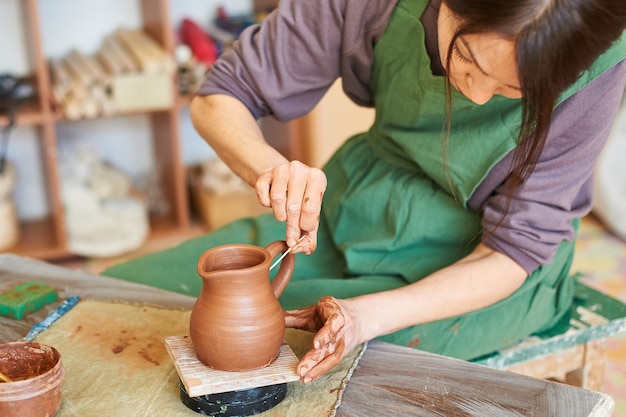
point(36, 373)
point(237, 323)
point(20, 361)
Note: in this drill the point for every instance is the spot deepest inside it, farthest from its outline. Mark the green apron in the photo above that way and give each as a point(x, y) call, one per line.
point(395, 210)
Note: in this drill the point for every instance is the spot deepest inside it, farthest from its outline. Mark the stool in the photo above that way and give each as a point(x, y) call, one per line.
point(574, 350)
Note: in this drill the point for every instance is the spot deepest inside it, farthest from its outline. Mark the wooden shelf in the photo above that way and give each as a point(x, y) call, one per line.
point(38, 240)
point(46, 239)
point(60, 118)
point(27, 116)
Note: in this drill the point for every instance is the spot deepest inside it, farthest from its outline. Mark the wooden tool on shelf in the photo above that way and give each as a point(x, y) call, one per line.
point(131, 71)
point(150, 56)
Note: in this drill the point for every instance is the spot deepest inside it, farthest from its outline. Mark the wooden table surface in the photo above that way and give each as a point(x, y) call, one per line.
point(390, 380)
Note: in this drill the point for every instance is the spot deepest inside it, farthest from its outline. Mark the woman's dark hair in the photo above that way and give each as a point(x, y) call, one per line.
point(556, 40)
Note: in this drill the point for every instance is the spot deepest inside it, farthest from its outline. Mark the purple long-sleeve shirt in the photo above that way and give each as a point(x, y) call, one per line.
point(285, 66)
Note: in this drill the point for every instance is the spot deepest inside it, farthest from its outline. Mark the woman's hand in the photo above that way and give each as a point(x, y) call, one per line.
point(336, 335)
point(294, 192)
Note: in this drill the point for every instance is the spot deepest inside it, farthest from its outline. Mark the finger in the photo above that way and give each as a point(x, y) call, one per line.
point(312, 201)
point(330, 333)
point(262, 189)
point(325, 365)
point(307, 244)
point(334, 320)
point(311, 243)
point(310, 359)
point(278, 192)
point(305, 319)
point(295, 195)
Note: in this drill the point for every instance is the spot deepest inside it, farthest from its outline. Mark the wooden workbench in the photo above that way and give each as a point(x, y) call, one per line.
point(389, 380)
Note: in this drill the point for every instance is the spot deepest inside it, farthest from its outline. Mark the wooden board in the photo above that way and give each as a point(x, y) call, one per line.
point(200, 379)
point(434, 385)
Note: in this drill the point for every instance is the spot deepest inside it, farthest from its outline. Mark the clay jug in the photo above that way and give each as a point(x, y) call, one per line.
point(237, 323)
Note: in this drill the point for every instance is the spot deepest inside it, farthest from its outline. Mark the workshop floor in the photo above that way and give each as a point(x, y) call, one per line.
point(601, 257)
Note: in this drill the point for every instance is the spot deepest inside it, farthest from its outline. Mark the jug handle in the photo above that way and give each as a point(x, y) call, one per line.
point(280, 281)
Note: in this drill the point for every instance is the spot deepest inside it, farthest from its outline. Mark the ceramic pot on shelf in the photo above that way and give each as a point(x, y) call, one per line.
point(237, 323)
point(9, 224)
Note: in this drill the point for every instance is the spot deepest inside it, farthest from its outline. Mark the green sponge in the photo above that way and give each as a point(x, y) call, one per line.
point(25, 298)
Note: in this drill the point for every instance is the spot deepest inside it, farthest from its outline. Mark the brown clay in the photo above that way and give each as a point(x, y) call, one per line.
point(36, 373)
point(237, 323)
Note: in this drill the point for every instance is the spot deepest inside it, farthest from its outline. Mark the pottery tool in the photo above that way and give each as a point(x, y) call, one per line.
point(25, 298)
point(54, 315)
point(4, 378)
point(287, 252)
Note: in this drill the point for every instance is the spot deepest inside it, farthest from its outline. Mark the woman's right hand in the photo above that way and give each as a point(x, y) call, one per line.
point(294, 192)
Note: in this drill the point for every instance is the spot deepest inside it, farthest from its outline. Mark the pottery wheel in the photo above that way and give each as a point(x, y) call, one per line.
point(235, 403)
point(230, 394)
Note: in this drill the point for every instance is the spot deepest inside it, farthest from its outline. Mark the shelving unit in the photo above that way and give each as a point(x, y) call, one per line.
point(46, 238)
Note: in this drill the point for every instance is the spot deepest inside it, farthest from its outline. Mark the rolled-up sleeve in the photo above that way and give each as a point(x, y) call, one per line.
point(284, 66)
point(540, 214)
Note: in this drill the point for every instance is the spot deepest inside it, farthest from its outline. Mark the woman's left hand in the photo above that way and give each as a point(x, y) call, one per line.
point(336, 335)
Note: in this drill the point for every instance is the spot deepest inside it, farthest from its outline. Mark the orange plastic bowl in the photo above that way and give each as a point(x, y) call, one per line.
point(36, 373)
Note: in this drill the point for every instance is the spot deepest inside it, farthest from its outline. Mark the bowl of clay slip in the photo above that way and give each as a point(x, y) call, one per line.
point(30, 380)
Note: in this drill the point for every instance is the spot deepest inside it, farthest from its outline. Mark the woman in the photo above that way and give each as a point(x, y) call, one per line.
point(449, 225)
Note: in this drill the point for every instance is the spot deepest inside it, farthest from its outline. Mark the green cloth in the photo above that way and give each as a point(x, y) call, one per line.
point(394, 211)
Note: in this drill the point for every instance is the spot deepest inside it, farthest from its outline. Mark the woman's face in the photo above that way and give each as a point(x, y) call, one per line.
point(482, 65)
